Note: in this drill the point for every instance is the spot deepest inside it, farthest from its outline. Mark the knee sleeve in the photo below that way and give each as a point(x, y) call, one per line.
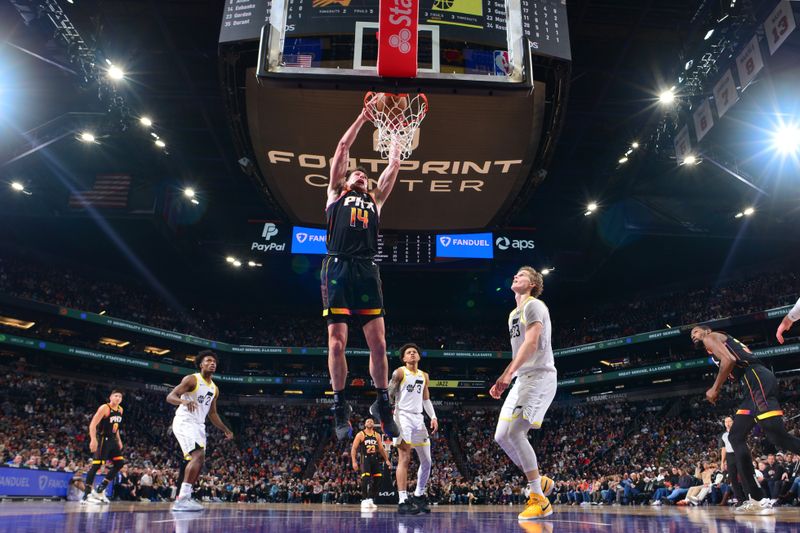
point(424, 471)
point(518, 436)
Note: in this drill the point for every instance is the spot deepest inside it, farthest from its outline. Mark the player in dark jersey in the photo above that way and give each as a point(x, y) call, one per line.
point(760, 405)
point(368, 444)
point(105, 444)
point(351, 283)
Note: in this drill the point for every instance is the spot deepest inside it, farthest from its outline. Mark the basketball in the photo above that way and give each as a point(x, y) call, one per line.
point(388, 102)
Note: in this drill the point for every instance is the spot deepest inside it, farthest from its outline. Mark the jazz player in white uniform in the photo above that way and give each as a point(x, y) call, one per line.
point(196, 397)
point(409, 387)
point(791, 317)
point(528, 400)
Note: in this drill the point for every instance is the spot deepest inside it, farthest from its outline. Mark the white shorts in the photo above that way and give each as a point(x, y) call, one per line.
point(190, 435)
point(412, 429)
point(530, 397)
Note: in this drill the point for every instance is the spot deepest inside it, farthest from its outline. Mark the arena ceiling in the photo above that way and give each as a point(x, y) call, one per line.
point(652, 214)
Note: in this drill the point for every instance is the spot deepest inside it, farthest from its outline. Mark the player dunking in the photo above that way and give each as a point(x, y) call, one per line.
point(368, 444)
point(528, 400)
point(409, 387)
point(760, 405)
point(351, 283)
point(107, 446)
point(196, 397)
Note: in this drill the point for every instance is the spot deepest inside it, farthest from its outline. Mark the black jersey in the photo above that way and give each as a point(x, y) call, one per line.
point(109, 425)
point(369, 446)
point(353, 225)
point(741, 353)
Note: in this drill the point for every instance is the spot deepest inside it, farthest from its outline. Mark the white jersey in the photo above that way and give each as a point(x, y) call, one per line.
point(794, 313)
point(202, 396)
point(409, 393)
point(532, 310)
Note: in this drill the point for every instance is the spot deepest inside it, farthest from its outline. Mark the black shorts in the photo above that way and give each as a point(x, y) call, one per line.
point(351, 288)
point(761, 394)
point(371, 466)
point(107, 450)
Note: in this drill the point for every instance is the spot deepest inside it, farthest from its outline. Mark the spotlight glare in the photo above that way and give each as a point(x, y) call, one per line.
point(251, 263)
point(87, 137)
point(145, 121)
point(634, 145)
point(592, 207)
point(160, 143)
point(690, 160)
point(237, 263)
point(546, 271)
point(230, 259)
point(786, 139)
point(739, 215)
point(195, 201)
point(115, 73)
point(749, 211)
point(17, 186)
point(623, 160)
point(666, 97)
point(188, 192)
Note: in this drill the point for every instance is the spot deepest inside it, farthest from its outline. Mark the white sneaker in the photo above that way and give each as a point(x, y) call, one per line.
point(187, 504)
point(747, 507)
point(96, 497)
point(372, 504)
point(365, 505)
point(656, 503)
point(764, 507)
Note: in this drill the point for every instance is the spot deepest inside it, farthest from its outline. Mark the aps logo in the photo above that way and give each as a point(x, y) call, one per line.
point(504, 243)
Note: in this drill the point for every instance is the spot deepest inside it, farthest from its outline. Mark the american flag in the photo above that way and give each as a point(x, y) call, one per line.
point(110, 191)
point(298, 60)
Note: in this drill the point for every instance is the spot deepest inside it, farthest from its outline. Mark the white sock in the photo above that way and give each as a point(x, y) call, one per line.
point(419, 493)
point(535, 486)
point(402, 495)
point(186, 491)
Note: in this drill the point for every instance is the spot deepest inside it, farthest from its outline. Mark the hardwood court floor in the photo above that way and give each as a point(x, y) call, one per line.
point(35, 517)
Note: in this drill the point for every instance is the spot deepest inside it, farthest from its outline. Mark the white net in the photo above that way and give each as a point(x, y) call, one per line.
point(396, 117)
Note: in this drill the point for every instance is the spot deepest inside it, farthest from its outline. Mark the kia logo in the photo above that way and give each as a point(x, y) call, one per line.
point(401, 41)
point(445, 241)
point(502, 243)
point(301, 237)
point(269, 231)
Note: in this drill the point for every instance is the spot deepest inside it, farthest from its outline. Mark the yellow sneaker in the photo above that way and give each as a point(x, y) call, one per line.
point(536, 527)
point(538, 507)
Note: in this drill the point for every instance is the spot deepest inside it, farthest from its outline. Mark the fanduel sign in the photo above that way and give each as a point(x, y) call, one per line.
point(468, 245)
point(308, 241)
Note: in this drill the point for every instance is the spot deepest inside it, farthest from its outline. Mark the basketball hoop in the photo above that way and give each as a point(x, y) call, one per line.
point(396, 117)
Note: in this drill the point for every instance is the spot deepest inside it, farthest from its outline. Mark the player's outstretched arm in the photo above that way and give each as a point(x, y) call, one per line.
point(342, 156)
point(788, 320)
point(217, 421)
point(187, 384)
point(388, 176)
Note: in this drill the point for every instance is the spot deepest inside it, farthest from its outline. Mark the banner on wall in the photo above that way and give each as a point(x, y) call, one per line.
point(779, 25)
point(749, 62)
point(725, 94)
point(703, 121)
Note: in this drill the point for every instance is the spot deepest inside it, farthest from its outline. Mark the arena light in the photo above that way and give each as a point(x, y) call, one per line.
point(116, 343)
point(189, 192)
point(622, 160)
point(629, 152)
point(145, 121)
point(548, 270)
point(293, 392)
point(590, 208)
point(17, 186)
point(328, 393)
point(584, 391)
point(195, 201)
point(749, 211)
point(667, 97)
point(620, 387)
point(16, 322)
point(237, 263)
point(634, 145)
point(155, 350)
point(786, 139)
point(690, 160)
point(115, 73)
point(230, 259)
point(656, 381)
point(87, 137)
point(253, 264)
point(160, 143)
point(709, 34)
point(738, 215)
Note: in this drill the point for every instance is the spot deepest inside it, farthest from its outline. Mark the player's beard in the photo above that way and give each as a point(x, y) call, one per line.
point(698, 343)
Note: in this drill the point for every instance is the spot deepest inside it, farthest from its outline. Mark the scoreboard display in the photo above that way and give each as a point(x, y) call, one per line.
point(405, 249)
point(473, 21)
